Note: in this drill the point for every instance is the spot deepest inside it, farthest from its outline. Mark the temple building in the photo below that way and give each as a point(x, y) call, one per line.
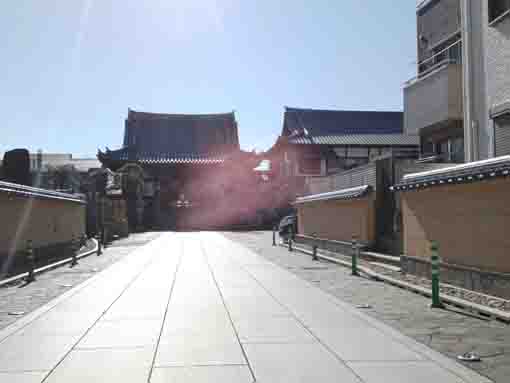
point(185, 172)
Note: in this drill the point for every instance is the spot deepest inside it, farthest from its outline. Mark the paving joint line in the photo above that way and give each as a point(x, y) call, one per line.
point(26, 320)
point(177, 267)
point(49, 306)
point(201, 365)
point(383, 330)
point(245, 355)
point(145, 266)
point(337, 357)
point(391, 330)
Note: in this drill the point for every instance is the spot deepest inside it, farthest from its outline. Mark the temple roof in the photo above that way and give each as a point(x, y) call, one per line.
point(176, 138)
point(338, 127)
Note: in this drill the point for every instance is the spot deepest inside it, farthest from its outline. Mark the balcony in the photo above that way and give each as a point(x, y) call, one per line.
point(434, 98)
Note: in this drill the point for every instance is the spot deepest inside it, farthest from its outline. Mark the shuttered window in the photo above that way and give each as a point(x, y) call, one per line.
point(502, 135)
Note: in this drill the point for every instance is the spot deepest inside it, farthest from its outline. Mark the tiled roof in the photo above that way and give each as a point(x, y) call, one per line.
point(315, 122)
point(360, 140)
point(181, 134)
point(163, 158)
point(342, 194)
point(31, 192)
point(464, 173)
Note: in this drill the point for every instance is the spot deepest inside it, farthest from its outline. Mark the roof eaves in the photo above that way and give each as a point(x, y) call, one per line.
point(31, 192)
point(465, 173)
point(343, 194)
point(359, 140)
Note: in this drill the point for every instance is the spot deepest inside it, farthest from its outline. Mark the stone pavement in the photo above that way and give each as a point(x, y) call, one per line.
point(21, 298)
point(195, 307)
point(449, 332)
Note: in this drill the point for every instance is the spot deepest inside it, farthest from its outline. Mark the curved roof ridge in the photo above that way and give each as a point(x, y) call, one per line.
point(293, 109)
point(180, 115)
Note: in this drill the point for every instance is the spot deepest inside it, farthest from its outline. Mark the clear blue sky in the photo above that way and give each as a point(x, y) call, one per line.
point(70, 69)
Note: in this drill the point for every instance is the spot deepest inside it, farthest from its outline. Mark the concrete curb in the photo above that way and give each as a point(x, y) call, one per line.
point(51, 266)
point(484, 311)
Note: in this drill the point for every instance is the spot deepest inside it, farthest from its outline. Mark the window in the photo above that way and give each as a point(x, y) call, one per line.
point(498, 8)
point(457, 147)
point(428, 148)
point(502, 135)
point(443, 147)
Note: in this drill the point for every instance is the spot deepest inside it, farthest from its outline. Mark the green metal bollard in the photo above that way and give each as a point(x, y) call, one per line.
point(31, 262)
point(314, 247)
point(274, 235)
point(74, 250)
point(434, 262)
point(354, 257)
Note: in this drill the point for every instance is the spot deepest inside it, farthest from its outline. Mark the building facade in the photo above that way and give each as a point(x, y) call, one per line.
point(459, 101)
point(332, 151)
point(433, 100)
point(317, 143)
point(459, 104)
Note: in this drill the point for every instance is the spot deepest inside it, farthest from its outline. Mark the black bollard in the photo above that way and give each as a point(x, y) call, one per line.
point(291, 231)
point(74, 251)
point(314, 247)
point(354, 258)
point(99, 245)
point(274, 235)
point(31, 262)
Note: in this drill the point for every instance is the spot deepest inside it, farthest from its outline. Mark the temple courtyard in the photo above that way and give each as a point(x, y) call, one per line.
point(205, 307)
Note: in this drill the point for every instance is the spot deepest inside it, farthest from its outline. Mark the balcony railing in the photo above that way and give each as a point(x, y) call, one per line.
point(449, 157)
point(452, 54)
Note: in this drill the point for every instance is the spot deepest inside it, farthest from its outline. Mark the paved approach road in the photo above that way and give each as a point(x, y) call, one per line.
point(196, 307)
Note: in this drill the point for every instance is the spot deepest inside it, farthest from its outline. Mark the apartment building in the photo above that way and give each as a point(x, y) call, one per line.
point(433, 100)
point(461, 94)
point(459, 101)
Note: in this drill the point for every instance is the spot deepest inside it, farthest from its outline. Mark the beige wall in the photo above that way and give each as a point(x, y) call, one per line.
point(44, 221)
point(470, 222)
point(339, 219)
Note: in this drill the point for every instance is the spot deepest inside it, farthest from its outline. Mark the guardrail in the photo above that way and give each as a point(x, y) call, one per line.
point(50, 266)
